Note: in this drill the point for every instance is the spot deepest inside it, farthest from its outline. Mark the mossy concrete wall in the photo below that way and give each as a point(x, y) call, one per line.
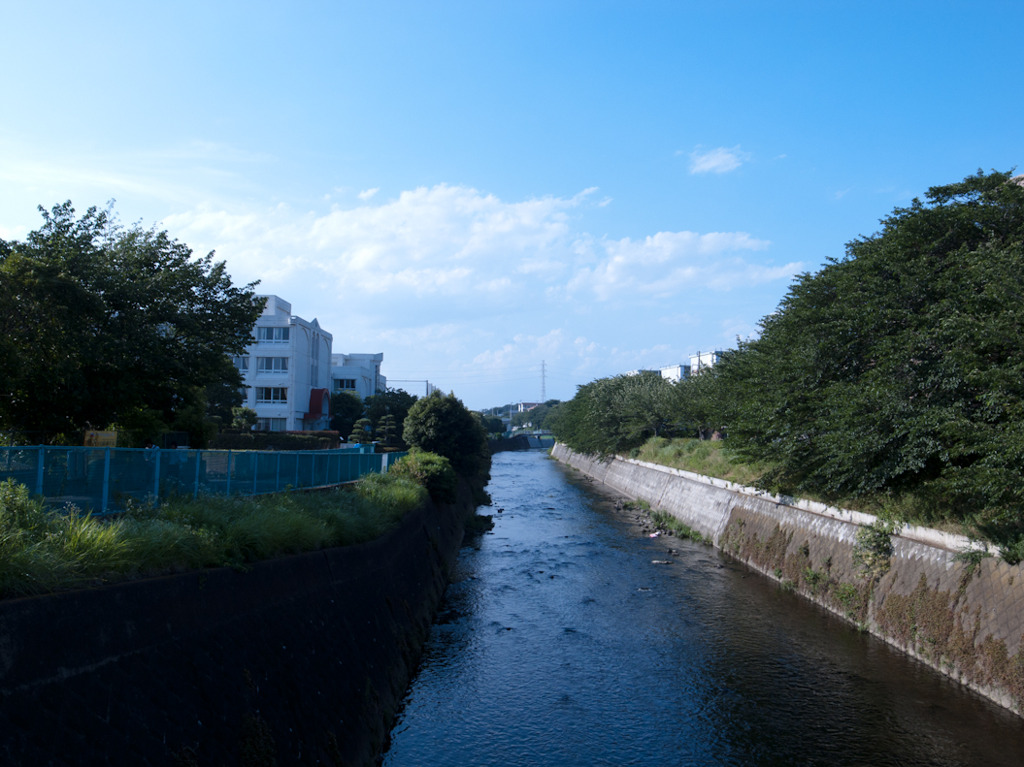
point(302, 660)
point(961, 613)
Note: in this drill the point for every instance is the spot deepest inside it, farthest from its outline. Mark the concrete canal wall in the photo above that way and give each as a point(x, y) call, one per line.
point(301, 660)
point(960, 612)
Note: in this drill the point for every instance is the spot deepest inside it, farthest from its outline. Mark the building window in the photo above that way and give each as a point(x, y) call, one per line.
point(344, 384)
point(273, 335)
point(270, 424)
point(272, 364)
point(241, 364)
point(268, 394)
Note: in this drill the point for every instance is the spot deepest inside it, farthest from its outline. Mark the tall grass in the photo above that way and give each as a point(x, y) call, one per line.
point(712, 458)
point(716, 459)
point(43, 550)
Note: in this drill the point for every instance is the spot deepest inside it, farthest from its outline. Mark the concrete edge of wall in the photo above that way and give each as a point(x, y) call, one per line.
point(935, 596)
point(299, 660)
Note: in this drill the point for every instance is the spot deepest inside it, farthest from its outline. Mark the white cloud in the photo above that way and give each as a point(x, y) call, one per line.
point(449, 278)
point(366, 194)
point(670, 263)
point(718, 160)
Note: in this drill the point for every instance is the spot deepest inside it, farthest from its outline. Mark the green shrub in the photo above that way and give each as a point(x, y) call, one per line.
point(430, 470)
point(397, 494)
point(441, 424)
point(873, 550)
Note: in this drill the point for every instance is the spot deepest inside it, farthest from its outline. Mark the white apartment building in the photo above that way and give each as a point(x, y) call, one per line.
point(704, 360)
point(676, 373)
point(357, 373)
point(287, 371)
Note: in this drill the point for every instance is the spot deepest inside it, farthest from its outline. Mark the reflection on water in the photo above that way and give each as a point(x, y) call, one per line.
point(564, 640)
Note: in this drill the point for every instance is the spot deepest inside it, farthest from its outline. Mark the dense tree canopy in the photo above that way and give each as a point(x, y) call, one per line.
point(900, 366)
point(394, 403)
point(346, 409)
point(441, 424)
point(613, 415)
point(536, 418)
point(896, 370)
point(103, 324)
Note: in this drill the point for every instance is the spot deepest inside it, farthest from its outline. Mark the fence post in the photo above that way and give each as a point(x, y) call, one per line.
point(195, 486)
point(229, 474)
point(277, 474)
point(156, 475)
point(39, 470)
point(106, 480)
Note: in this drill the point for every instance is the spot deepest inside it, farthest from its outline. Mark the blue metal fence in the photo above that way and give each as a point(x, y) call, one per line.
point(102, 479)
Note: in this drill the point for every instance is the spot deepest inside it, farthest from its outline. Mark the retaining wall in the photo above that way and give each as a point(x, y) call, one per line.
point(960, 612)
point(302, 660)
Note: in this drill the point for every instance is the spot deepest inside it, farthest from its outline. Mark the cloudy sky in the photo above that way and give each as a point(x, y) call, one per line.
point(508, 199)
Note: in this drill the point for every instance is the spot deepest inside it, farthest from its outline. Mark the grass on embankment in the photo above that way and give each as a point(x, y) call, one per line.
point(713, 459)
point(716, 459)
point(43, 551)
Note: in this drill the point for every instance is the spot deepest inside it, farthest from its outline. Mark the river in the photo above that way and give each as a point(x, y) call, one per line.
point(568, 636)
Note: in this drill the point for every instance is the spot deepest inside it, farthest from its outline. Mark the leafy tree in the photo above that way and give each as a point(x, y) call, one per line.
point(700, 405)
point(614, 415)
point(387, 431)
point(100, 321)
point(222, 397)
point(441, 424)
point(362, 432)
point(493, 424)
point(536, 417)
point(394, 402)
point(243, 418)
point(900, 367)
point(346, 409)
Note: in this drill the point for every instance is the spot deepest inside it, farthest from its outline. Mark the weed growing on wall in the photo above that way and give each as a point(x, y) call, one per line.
point(665, 522)
point(873, 550)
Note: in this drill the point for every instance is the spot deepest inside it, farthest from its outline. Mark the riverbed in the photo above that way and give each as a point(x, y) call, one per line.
point(570, 636)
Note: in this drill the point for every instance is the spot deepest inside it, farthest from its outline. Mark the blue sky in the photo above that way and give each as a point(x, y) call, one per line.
point(477, 188)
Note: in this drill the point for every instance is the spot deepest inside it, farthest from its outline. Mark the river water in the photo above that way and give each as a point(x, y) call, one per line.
point(568, 636)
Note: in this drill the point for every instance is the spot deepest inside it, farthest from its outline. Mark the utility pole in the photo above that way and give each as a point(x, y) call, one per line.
point(543, 381)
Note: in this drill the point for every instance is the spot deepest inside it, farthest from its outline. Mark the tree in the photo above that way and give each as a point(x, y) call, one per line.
point(394, 402)
point(387, 431)
point(493, 424)
point(101, 321)
point(900, 368)
point(243, 418)
point(346, 409)
point(536, 417)
point(362, 432)
point(700, 405)
point(614, 415)
point(441, 424)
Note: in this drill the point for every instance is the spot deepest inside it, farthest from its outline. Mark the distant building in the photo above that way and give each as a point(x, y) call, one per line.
point(704, 360)
point(357, 373)
point(676, 373)
point(286, 370)
point(671, 373)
